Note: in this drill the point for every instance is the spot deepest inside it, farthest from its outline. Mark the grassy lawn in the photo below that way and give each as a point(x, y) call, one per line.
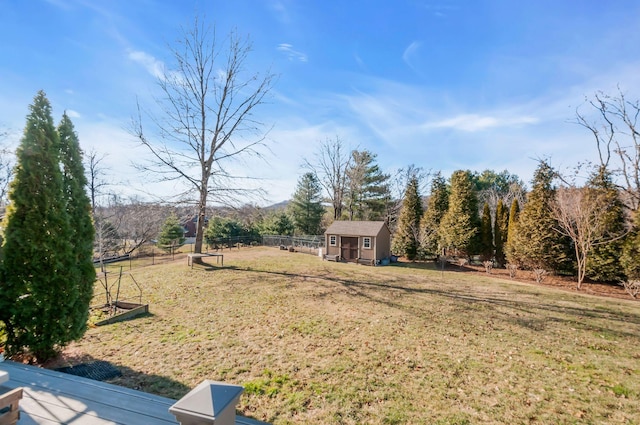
point(318, 342)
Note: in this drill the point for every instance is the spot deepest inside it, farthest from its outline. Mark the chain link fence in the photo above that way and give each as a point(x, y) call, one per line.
point(306, 244)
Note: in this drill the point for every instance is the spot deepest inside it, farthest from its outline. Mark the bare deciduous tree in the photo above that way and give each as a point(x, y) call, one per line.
point(140, 222)
point(96, 173)
point(207, 117)
point(332, 160)
point(579, 212)
point(6, 169)
point(617, 134)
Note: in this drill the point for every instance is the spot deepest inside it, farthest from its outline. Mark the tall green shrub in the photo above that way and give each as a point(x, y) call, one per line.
point(39, 301)
point(536, 243)
point(514, 215)
point(500, 232)
point(603, 262)
point(486, 234)
point(436, 208)
point(460, 225)
point(80, 269)
point(631, 250)
point(406, 240)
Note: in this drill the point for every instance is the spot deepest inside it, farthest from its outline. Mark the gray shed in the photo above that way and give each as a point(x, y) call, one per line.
point(358, 241)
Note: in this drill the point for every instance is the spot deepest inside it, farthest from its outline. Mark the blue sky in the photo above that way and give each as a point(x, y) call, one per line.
point(444, 85)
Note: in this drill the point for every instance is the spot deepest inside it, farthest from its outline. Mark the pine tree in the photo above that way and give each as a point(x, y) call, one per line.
point(603, 262)
point(459, 227)
point(171, 234)
point(500, 232)
point(437, 206)
point(486, 234)
point(38, 302)
point(536, 243)
point(306, 205)
point(80, 268)
point(406, 240)
point(367, 187)
point(514, 215)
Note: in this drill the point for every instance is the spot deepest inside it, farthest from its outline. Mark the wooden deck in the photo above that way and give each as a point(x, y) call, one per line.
point(57, 398)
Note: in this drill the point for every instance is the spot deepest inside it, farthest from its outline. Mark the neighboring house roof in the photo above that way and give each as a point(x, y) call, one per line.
point(355, 228)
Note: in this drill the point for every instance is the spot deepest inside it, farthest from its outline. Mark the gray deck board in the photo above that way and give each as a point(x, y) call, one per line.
point(52, 397)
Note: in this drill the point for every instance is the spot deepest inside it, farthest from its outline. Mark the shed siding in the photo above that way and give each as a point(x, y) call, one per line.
point(383, 244)
point(377, 231)
point(333, 250)
point(367, 253)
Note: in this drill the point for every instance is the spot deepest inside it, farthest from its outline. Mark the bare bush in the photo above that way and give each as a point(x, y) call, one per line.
point(488, 266)
point(539, 274)
point(632, 287)
point(513, 268)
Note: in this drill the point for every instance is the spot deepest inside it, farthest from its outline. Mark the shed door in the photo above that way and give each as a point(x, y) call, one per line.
point(349, 249)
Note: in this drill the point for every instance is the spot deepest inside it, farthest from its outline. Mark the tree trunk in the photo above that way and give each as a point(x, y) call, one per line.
point(202, 210)
point(581, 261)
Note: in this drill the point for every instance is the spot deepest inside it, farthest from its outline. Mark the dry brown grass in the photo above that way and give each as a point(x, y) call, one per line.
point(318, 342)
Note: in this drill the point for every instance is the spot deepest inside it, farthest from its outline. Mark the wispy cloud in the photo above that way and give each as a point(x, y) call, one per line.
point(72, 114)
point(360, 62)
point(440, 9)
point(474, 122)
point(292, 54)
point(153, 66)
point(280, 11)
point(410, 52)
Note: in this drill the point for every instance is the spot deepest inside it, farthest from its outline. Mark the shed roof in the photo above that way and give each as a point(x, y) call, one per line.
point(355, 228)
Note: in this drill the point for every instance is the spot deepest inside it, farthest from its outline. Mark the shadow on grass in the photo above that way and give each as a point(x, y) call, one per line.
point(524, 313)
point(87, 366)
point(199, 263)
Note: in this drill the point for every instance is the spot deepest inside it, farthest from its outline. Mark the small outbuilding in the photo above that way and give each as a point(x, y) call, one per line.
point(367, 242)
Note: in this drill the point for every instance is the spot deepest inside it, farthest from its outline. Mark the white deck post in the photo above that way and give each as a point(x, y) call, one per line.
point(209, 403)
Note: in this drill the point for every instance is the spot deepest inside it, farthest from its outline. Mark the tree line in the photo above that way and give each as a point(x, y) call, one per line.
point(584, 222)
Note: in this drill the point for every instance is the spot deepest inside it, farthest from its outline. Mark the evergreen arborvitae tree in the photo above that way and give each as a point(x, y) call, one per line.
point(437, 206)
point(536, 243)
point(486, 234)
point(81, 269)
point(500, 232)
point(306, 205)
point(460, 225)
point(406, 240)
point(514, 215)
point(171, 234)
point(631, 250)
point(603, 262)
point(38, 302)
